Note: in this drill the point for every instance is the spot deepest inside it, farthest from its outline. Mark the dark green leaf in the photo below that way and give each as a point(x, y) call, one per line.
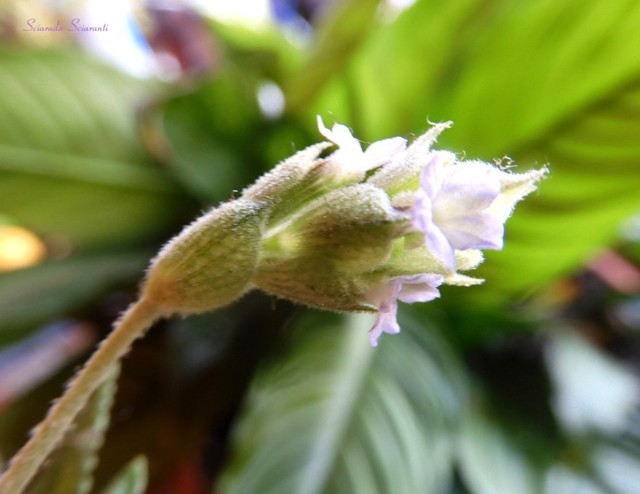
point(71, 165)
point(338, 416)
point(30, 296)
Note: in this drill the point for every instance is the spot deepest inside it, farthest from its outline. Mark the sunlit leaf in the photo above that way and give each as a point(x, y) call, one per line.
point(70, 159)
point(403, 69)
point(593, 186)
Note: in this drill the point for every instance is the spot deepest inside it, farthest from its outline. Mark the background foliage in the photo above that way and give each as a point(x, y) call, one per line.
point(526, 384)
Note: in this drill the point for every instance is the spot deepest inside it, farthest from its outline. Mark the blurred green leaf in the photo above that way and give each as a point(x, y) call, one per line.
point(593, 186)
point(70, 467)
point(561, 480)
point(131, 480)
point(403, 68)
point(70, 157)
point(338, 416)
point(342, 29)
point(489, 463)
point(572, 100)
point(30, 296)
point(212, 132)
point(561, 58)
point(265, 51)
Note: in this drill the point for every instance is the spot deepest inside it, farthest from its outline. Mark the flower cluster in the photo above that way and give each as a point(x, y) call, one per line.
point(458, 208)
point(357, 230)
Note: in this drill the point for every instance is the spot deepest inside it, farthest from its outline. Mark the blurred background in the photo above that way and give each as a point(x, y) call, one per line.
point(122, 121)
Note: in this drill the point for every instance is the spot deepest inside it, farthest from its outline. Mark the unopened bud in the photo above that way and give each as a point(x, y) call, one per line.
point(209, 264)
point(319, 257)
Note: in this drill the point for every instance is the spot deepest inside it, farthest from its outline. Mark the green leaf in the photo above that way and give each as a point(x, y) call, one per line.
point(403, 69)
point(70, 157)
point(592, 187)
point(572, 100)
point(132, 479)
point(211, 132)
point(489, 463)
point(336, 416)
point(30, 296)
point(561, 58)
point(344, 26)
point(266, 50)
point(70, 467)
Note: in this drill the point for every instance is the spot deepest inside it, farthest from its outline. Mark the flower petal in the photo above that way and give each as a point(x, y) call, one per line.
point(385, 322)
point(476, 230)
point(381, 152)
point(466, 187)
point(420, 288)
point(433, 173)
point(439, 245)
point(349, 153)
point(409, 289)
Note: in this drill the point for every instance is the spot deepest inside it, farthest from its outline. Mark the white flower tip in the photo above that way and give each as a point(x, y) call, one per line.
point(339, 134)
point(438, 127)
point(321, 127)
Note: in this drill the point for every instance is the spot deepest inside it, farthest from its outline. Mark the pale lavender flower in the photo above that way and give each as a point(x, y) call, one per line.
point(409, 289)
point(367, 220)
point(349, 155)
point(453, 207)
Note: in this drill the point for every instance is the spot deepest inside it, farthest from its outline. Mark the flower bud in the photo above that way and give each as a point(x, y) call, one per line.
point(209, 264)
point(296, 182)
point(402, 174)
point(313, 281)
point(354, 226)
point(318, 257)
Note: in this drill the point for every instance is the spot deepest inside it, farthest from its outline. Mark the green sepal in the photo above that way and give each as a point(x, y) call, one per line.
point(324, 257)
point(403, 174)
point(209, 264)
point(354, 227)
point(295, 183)
point(316, 282)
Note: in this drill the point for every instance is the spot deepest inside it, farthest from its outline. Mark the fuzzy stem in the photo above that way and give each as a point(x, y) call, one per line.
point(133, 324)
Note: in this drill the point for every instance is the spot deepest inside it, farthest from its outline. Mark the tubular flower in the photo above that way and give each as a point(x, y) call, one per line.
point(453, 207)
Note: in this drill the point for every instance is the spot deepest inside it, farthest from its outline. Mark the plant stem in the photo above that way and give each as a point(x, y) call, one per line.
point(133, 324)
